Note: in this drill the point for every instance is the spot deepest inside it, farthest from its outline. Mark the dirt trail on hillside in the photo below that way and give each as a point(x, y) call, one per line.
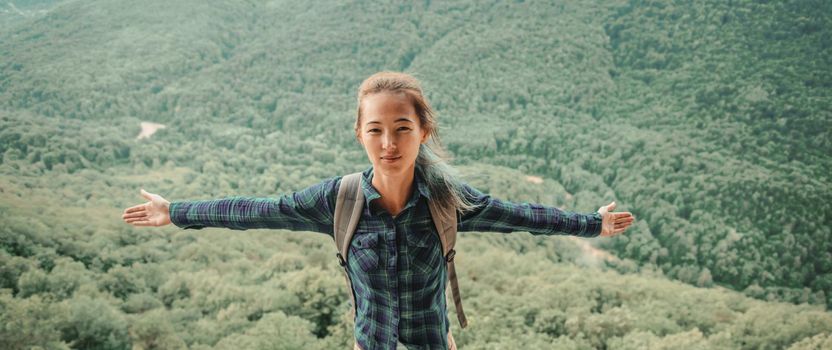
point(148, 129)
point(534, 179)
point(594, 253)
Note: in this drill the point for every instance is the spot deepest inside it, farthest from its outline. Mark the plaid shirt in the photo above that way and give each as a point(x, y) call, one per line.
point(395, 263)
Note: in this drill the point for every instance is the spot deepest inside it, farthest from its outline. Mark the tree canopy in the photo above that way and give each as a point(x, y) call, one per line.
point(708, 120)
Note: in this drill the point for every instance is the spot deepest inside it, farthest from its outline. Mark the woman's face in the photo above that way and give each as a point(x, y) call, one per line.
point(390, 132)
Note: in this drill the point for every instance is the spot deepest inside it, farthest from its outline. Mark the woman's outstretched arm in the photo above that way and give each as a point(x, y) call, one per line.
point(495, 215)
point(310, 209)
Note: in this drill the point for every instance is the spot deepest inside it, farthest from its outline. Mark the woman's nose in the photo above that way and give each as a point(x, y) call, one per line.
point(388, 142)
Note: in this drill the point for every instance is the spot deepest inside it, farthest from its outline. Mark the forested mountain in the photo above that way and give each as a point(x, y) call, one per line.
point(709, 120)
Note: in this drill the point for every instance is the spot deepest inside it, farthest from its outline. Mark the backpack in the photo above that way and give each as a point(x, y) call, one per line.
point(348, 209)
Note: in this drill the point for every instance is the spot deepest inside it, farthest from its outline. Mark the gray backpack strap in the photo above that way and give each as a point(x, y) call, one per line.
point(446, 224)
point(348, 207)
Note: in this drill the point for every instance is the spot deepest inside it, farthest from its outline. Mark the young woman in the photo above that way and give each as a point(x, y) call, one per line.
point(395, 263)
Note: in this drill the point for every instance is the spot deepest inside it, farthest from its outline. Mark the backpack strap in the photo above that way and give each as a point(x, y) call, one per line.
point(446, 224)
point(348, 207)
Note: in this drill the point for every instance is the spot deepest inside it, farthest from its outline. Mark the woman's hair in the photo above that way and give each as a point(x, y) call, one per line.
point(432, 162)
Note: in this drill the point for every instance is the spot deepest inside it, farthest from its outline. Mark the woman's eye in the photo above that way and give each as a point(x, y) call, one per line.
point(373, 131)
point(404, 128)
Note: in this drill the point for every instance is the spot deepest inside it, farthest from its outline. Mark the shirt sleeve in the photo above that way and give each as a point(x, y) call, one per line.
point(495, 215)
point(310, 209)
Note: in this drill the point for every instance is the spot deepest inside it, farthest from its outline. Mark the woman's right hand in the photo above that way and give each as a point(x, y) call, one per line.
point(153, 213)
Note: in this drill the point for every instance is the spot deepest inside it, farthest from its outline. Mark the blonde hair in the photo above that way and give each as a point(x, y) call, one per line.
point(432, 162)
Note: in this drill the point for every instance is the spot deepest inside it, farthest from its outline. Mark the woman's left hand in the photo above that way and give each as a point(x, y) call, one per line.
point(614, 223)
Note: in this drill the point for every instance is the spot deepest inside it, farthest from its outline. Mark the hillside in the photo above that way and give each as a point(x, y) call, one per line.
point(708, 120)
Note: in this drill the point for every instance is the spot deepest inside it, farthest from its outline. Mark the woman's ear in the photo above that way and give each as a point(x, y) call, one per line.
point(425, 135)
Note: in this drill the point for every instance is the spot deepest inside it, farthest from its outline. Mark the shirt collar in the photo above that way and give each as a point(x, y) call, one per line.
point(370, 192)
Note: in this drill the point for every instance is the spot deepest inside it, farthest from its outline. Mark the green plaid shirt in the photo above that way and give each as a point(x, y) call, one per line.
point(395, 263)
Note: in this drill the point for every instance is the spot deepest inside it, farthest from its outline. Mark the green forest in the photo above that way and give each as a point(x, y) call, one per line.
point(708, 120)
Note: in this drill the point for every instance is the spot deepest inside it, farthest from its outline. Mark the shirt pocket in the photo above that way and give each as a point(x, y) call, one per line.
point(363, 250)
point(424, 251)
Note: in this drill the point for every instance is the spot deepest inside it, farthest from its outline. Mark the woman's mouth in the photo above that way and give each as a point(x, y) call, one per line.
point(390, 159)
